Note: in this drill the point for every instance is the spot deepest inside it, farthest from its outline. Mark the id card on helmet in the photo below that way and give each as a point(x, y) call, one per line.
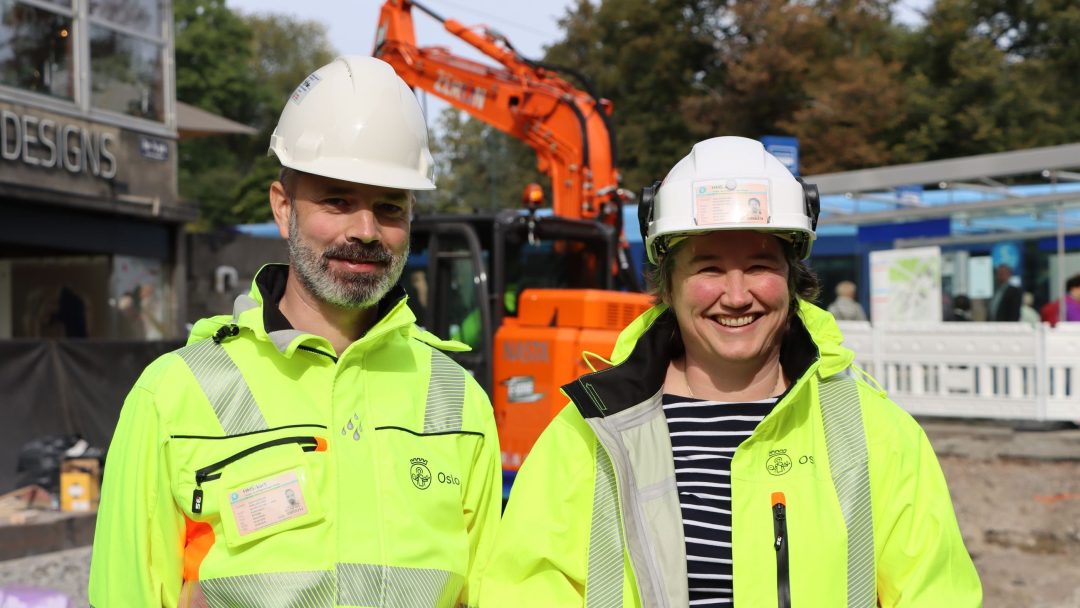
point(731, 201)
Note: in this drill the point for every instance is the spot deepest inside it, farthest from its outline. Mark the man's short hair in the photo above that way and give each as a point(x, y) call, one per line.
point(1073, 282)
point(288, 178)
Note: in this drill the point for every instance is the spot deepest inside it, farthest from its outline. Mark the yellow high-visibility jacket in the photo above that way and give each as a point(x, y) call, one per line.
point(254, 468)
point(594, 517)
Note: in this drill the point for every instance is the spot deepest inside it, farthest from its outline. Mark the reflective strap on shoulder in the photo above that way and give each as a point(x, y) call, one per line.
point(446, 395)
point(604, 582)
point(845, 440)
point(348, 585)
point(224, 387)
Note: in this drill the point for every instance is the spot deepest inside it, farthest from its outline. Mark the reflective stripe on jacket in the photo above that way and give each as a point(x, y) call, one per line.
point(258, 469)
point(594, 517)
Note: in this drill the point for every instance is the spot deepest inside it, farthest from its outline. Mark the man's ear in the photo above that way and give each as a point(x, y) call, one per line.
point(281, 207)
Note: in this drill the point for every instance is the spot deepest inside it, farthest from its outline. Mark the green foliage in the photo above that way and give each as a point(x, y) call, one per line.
point(856, 87)
point(478, 168)
point(213, 59)
point(644, 55)
point(993, 76)
point(244, 68)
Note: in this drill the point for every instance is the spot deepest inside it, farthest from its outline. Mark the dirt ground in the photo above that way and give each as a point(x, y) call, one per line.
point(1017, 498)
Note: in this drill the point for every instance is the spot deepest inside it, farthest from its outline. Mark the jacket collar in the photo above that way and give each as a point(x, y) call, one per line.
point(648, 344)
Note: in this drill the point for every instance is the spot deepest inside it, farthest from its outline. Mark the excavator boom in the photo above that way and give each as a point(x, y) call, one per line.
point(569, 129)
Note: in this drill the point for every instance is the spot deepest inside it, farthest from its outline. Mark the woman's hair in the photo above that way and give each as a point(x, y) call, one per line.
point(802, 282)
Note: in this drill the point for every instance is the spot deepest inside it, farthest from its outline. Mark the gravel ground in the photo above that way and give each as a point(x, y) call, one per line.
point(1017, 498)
point(1016, 494)
point(65, 571)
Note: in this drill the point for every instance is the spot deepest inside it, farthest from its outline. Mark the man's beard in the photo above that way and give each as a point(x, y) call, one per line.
point(351, 290)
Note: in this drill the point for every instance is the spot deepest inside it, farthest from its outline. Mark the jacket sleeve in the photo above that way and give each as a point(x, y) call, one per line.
point(138, 553)
point(923, 561)
point(541, 551)
point(483, 502)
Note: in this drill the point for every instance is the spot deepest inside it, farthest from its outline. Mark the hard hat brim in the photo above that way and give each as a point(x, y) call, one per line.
point(364, 172)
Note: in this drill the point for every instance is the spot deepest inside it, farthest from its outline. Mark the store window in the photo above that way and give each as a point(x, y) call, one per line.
point(58, 297)
point(126, 74)
point(121, 43)
point(138, 299)
point(36, 48)
point(127, 71)
point(142, 16)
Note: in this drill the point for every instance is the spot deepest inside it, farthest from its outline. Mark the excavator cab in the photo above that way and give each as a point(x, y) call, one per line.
point(529, 293)
point(467, 273)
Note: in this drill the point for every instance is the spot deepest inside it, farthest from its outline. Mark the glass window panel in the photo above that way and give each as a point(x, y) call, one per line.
point(126, 74)
point(36, 50)
point(140, 15)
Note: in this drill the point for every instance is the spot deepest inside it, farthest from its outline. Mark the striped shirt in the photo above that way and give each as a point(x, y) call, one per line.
point(704, 435)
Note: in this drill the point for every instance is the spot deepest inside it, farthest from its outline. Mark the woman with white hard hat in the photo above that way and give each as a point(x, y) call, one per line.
point(732, 453)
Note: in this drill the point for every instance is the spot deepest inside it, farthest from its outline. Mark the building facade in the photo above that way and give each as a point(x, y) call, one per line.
point(91, 241)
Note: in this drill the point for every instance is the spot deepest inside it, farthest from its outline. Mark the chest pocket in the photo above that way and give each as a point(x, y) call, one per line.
point(263, 490)
point(255, 481)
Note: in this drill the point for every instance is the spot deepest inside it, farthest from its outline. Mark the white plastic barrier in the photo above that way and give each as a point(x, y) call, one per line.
point(983, 370)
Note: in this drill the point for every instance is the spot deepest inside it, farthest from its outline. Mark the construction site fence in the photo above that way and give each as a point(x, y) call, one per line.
point(1012, 371)
point(65, 387)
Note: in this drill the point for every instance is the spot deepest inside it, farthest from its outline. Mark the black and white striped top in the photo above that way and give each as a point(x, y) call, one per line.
point(704, 435)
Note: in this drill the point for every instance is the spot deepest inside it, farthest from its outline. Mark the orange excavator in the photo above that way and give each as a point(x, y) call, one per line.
point(530, 291)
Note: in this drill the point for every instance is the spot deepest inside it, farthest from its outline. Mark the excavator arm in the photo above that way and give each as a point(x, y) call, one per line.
point(569, 129)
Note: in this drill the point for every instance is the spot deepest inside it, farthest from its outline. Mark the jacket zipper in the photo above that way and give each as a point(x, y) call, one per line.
point(209, 473)
point(780, 543)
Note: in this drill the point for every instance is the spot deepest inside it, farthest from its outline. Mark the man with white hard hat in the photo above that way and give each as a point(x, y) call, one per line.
point(315, 448)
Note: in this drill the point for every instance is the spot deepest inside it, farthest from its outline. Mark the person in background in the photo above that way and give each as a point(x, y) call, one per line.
point(1051, 311)
point(845, 307)
point(1007, 299)
point(1028, 314)
point(732, 452)
point(961, 310)
point(315, 448)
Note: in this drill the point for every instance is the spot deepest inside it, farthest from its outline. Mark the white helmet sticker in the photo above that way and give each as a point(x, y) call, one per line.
point(305, 88)
point(731, 201)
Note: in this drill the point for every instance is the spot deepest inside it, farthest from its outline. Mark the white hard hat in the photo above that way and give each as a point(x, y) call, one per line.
point(356, 120)
point(729, 183)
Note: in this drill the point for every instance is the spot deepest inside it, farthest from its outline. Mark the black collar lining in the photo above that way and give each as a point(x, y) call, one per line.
point(642, 374)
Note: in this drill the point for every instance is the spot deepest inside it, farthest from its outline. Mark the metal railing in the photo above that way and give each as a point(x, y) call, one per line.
point(977, 370)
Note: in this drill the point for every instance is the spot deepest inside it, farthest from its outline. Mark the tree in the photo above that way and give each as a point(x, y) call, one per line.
point(990, 76)
point(284, 51)
point(822, 71)
point(644, 55)
point(857, 88)
point(478, 168)
point(243, 68)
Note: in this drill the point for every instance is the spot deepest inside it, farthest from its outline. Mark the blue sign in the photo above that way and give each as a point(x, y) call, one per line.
point(1008, 253)
point(153, 148)
point(910, 195)
point(785, 149)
